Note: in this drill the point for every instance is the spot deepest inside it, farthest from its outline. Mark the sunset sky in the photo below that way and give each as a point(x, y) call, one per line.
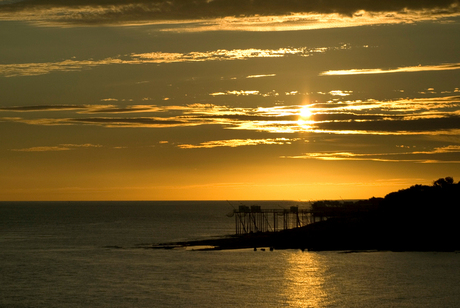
point(227, 99)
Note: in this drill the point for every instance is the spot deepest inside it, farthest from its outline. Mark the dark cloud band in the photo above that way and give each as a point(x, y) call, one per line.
point(180, 9)
point(113, 11)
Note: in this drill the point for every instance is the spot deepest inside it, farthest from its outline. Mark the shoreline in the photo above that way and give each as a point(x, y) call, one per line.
point(307, 238)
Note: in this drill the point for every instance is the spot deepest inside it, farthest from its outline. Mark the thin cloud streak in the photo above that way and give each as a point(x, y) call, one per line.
point(433, 156)
point(233, 143)
point(35, 69)
point(406, 69)
point(260, 76)
point(61, 147)
point(88, 109)
point(42, 108)
point(236, 92)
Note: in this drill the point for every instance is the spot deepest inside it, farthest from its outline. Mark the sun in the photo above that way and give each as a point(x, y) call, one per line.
point(305, 112)
point(305, 122)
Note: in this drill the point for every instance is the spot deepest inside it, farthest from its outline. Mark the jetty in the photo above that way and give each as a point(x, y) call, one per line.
point(254, 219)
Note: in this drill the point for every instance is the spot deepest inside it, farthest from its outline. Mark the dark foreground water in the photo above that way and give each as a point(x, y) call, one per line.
point(88, 255)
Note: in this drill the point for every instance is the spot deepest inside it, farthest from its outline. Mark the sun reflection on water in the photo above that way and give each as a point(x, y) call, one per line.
point(305, 279)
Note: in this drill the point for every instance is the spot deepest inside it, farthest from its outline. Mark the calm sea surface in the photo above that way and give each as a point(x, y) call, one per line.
point(89, 254)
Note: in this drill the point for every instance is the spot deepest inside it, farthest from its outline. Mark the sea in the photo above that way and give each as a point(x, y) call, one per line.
point(98, 254)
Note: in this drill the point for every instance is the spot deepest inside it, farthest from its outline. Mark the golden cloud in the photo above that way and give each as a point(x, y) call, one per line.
point(414, 156)
point(239, 142)
point(405, 69)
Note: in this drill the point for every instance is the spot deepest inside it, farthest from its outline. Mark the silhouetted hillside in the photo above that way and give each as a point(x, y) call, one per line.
point(417, 218)
point(422, 217)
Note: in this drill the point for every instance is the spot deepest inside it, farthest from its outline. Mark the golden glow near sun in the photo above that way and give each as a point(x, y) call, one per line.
point(304, 121)
point(305, 113)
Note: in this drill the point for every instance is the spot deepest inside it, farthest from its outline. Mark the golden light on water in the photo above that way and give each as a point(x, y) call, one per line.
point(305, 280)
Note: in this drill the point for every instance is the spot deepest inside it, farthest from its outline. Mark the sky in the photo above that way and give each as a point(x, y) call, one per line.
point(227, 99)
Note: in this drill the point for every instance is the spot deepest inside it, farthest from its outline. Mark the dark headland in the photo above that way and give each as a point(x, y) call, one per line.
point(419, 218)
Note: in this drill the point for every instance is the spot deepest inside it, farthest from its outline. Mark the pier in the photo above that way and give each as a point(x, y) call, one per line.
point(255, 219)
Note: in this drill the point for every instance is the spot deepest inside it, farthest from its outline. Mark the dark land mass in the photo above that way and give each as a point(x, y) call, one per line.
point(420, 218)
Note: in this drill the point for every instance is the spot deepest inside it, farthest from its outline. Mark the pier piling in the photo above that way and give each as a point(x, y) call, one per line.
point(255, 219)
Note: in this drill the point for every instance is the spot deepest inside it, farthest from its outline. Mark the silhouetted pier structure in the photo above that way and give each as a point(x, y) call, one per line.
point(255, 219)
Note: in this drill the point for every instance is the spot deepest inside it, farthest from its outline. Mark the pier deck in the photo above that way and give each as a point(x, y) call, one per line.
point(255, 219)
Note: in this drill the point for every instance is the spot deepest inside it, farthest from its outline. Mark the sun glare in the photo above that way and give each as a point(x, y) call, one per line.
point(304, 122)
point(305, 113)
